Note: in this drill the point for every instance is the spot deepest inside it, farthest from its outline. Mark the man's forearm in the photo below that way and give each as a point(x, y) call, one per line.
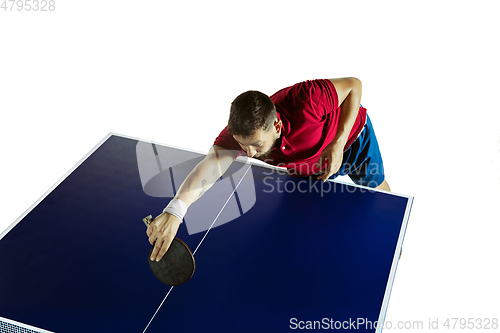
point(201, 178)
point(162, 230)
point(349, 111)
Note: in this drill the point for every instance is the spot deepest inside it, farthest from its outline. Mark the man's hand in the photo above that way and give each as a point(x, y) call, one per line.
point(333, 154)
point(161, 233)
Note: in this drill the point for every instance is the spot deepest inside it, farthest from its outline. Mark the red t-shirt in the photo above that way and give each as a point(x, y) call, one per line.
point(310, 114)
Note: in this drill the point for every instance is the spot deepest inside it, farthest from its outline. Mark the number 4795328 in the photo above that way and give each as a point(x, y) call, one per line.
point(28, 5)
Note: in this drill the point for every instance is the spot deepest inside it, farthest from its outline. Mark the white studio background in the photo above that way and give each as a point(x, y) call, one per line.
point(167, 71)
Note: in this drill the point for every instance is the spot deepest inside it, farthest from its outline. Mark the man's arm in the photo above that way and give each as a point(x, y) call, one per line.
point(164, 228)
point(349, 95)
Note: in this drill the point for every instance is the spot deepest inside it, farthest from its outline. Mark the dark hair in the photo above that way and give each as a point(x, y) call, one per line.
point(251, 111)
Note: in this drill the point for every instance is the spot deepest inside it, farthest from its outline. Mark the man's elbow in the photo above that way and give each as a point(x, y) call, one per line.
point(356, 83)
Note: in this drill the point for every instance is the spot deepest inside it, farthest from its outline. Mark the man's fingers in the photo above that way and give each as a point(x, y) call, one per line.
point(164, 248)
point(149, 232)
point(161, 246)
point(326, 171)
point(326, 174)
point(156, 249)
point(151, 240)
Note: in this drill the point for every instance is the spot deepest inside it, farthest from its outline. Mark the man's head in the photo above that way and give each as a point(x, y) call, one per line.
point(254, 124)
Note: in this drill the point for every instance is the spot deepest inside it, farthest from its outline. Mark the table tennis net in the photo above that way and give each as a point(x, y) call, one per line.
point(11, 326)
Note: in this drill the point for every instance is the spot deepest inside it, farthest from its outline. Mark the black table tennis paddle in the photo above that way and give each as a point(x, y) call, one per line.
point(177, 265)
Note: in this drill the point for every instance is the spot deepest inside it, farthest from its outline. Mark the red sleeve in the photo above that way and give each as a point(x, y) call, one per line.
point(323, 97)
point(316, 98)
point(226, 140)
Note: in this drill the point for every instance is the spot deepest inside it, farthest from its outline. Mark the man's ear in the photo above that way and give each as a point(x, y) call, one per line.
point(278, 125)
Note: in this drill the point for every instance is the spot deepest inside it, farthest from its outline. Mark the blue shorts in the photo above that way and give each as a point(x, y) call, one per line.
point(362, 161)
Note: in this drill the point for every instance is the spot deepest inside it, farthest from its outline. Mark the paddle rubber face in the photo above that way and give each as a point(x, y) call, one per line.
point(177, 265)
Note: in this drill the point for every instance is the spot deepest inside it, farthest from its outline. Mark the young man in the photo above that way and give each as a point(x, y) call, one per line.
point(313, 128)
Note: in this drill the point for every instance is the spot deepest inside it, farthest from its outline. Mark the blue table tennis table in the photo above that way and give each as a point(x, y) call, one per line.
point(273, 253)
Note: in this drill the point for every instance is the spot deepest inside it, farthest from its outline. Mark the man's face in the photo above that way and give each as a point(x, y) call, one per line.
point(260, 144)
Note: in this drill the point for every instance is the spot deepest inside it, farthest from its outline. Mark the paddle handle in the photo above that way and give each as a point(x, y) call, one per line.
point(147, 220)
